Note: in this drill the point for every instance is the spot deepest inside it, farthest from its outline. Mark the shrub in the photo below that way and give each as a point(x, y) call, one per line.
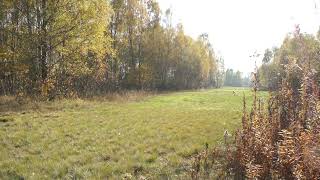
point(279, 140)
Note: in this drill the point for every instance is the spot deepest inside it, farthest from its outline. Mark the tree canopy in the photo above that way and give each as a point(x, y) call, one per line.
point(70, 47)
point(297, 52)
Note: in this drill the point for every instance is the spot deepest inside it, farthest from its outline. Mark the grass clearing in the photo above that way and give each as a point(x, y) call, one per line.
point(100, 139)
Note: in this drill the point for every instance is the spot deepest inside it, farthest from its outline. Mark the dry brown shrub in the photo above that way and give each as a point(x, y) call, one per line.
point(280, 140)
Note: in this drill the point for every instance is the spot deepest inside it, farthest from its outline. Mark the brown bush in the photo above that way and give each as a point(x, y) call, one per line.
point(279, 140)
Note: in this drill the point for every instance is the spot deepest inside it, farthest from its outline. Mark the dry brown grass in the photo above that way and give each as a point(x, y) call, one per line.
point(281, 141)
point(22, 103)
point(11, 103)
point(278, 140)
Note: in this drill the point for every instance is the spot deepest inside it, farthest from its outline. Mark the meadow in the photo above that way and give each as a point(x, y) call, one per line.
point(151, 136)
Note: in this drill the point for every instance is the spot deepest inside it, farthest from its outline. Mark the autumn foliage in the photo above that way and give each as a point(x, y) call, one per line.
point(71, 48)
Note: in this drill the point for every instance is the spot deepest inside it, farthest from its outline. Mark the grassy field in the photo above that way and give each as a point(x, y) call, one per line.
point(99, 139)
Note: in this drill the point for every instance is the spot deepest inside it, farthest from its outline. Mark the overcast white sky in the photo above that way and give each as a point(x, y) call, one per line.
point(237, 28)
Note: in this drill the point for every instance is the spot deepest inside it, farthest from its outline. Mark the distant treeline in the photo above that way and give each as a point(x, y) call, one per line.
point(236, 79)
point(298, 52)
point(70, 47)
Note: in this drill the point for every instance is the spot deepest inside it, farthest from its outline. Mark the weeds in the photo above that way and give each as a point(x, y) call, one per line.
point(279, 140)
point(18, 103)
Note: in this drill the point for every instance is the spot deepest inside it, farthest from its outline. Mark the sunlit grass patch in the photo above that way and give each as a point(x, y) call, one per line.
point(99, 139)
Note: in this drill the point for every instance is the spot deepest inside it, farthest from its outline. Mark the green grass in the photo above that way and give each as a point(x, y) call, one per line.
point(106, 139)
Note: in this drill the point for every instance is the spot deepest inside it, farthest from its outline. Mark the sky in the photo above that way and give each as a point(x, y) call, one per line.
point(238, 28)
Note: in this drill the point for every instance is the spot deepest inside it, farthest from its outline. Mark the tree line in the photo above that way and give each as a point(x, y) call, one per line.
point(236, 79)
point(70, 47)
point(298, 51)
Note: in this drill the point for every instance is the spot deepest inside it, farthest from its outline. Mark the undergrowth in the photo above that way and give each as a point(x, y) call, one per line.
point(279, 139)
point(24, 103)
